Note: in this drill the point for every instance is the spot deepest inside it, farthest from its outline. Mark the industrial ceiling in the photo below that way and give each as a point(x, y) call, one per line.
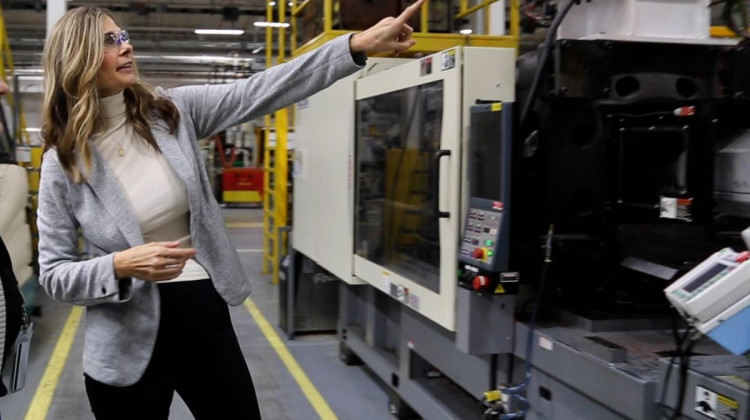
point(162, 33)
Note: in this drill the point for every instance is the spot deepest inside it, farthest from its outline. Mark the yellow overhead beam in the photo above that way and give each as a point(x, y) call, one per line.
point(425, 42)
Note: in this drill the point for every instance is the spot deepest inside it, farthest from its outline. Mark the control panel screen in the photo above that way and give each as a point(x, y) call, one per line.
point(704, 277)
point(486, 155)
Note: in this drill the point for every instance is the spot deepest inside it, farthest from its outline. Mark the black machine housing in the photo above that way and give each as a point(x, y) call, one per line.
point(618, 154)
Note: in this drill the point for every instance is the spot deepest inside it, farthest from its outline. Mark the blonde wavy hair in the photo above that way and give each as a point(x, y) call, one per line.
point(72, 56)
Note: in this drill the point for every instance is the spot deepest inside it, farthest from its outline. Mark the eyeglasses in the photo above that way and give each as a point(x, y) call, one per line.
point(115, 39)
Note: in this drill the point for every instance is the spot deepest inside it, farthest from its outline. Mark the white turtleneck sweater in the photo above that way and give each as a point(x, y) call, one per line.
point(156, 194)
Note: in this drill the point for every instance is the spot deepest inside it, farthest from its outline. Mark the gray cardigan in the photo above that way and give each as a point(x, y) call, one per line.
point(122, 315)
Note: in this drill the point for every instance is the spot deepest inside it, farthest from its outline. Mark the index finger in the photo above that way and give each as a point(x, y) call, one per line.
point(410, 11)
point(178, 252)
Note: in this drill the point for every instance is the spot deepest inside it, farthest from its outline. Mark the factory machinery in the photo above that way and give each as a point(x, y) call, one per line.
point(557, 236)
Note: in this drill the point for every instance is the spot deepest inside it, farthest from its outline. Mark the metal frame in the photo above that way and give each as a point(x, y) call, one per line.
point(369, 322)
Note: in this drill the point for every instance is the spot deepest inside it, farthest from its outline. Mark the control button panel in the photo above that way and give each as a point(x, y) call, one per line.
point(480, 235)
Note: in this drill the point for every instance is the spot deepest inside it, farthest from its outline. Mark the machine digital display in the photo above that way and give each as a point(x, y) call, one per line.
point(715, 298)
point(486, 156)
point(703, 278)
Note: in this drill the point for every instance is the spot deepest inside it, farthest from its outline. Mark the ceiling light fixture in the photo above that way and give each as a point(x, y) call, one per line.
point(219, 31)
point(271, 24)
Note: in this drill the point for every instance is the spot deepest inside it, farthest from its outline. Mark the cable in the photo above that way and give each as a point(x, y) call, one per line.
point(678, 345)
point(514, 393)
point(684, 365)
point(545, 52)
point(684, 347)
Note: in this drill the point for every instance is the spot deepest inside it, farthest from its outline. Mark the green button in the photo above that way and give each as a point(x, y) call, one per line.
point(490, 253)
point(488, 242)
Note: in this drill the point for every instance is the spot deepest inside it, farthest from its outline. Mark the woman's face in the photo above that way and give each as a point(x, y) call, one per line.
point(116, 72)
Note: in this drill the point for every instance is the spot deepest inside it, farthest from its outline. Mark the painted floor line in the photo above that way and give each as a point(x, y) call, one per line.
point(308, 389)
point(231, 225)
point(39, 406)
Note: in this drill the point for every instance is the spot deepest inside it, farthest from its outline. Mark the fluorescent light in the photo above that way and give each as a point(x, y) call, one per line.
point(33, 130)
point(219, 31)
point(272, 3)
point(466, 31)
point(271, 24)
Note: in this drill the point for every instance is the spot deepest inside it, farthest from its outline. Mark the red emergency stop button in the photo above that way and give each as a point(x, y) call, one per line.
point(478, 253)
point(480, 282)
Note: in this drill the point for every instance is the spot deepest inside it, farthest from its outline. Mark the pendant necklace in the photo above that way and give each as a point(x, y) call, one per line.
point(120, 150)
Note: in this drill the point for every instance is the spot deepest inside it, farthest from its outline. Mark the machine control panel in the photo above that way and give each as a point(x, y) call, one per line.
point(481, 235)
point(484, 245)
point(484, 254)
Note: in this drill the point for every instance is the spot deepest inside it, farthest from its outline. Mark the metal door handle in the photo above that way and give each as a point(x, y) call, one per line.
point(439, 155)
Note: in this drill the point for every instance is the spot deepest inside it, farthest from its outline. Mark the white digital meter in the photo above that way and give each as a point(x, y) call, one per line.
point(715, 298)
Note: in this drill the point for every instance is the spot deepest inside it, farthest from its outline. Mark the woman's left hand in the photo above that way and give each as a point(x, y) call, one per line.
point(390, 34)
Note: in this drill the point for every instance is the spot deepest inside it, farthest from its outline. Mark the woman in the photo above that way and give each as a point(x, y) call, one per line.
point(122, 167)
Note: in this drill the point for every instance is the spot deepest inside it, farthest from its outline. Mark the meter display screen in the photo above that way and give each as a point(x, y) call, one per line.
point(704, 277)
point(486, 158)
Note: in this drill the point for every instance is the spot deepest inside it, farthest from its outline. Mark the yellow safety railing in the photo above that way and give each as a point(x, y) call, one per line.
point(6, 72)
point(427, 42)
point(276, 196)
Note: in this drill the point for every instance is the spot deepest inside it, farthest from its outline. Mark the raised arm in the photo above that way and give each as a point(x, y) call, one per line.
point(214, 108)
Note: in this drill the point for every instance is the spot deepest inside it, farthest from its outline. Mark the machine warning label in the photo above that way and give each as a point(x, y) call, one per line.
point(715, 406)
point(425, 66)
point(449, 59)
point(414, 301)
point(676, 208)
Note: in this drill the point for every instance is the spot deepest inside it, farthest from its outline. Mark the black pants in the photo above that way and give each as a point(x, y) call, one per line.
point(196, 354)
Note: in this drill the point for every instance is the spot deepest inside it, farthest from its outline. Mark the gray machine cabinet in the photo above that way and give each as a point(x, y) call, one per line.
point(716, 387)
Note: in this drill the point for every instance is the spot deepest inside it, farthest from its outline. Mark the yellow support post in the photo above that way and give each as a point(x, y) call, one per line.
point(515, 19)
point(6, 61)
point(293, 21)
point(327, 15)
point(282, 31)
point(268, 238)
point(424, 16)
point(268, 222)
point(269, 36)
point(281, 176)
